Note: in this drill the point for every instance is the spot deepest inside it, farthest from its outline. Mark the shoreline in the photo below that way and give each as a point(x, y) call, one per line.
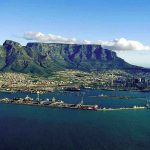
point(42, 92)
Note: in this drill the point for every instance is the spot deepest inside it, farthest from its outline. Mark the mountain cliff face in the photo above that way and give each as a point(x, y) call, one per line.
point(44, 58)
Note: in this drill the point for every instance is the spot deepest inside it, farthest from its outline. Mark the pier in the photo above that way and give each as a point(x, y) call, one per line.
point(54, 103)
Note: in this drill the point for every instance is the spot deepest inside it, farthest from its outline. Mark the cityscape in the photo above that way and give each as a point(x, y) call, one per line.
point(108, 80)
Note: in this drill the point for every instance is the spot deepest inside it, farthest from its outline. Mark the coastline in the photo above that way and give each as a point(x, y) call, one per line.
point(130, 90)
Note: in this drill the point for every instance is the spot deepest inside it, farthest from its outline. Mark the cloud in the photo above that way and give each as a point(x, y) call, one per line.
point(40, 37)
point(121, 44)
point(86, 42)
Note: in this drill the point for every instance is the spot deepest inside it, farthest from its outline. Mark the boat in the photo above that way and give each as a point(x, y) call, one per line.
point(72, 89)
point(94, 107)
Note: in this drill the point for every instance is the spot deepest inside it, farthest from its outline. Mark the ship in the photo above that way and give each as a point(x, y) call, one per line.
point(86, 107)
point(72, 89)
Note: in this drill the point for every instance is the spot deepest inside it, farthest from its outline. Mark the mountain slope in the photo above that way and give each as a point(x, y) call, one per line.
point(44, 58)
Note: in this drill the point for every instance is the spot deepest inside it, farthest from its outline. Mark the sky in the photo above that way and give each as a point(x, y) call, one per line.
point(120, 25)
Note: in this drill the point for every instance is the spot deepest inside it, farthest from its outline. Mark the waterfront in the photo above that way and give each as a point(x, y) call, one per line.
point(27, 127)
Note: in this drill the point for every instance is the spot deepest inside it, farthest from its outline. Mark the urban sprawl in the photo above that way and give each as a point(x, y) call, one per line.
point(108, 80)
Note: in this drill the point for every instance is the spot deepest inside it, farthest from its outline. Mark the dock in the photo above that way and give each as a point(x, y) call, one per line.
point(54, 103)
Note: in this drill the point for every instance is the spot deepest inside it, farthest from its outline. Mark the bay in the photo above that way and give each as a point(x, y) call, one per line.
point(40, 128)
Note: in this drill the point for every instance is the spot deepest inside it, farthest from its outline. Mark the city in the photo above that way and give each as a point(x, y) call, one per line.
point(108, 80)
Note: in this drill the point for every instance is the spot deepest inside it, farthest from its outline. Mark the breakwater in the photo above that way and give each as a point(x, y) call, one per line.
point(54, 103)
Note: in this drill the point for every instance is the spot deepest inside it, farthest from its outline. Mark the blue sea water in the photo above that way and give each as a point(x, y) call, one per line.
point(40, 128)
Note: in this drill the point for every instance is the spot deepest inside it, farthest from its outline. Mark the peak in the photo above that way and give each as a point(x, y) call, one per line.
point(10, 42)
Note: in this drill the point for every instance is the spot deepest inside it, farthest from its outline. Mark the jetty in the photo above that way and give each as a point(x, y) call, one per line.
point(116, 97)
point(55, 103)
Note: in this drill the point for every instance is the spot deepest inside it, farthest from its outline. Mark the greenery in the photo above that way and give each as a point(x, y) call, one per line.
point(46, 58)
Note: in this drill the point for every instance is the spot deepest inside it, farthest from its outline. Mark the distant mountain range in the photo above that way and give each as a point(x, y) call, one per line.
point(45, 58)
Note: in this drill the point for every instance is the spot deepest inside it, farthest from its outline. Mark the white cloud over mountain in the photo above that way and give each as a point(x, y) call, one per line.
point(121, 44)
point(40, 37)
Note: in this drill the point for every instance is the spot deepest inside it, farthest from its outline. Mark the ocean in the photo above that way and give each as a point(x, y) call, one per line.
point(40, 128)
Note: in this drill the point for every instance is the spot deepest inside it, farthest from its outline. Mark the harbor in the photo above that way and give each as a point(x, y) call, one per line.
point(56, 103)
point(60, 123)
point(53, 103)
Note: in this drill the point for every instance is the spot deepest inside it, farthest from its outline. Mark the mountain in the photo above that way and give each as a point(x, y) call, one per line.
point(45, 58)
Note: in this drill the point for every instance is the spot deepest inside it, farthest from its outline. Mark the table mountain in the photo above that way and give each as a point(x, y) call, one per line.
point(45, 58)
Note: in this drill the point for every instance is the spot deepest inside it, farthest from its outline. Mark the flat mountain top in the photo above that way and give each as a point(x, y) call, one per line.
point(45, 58)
